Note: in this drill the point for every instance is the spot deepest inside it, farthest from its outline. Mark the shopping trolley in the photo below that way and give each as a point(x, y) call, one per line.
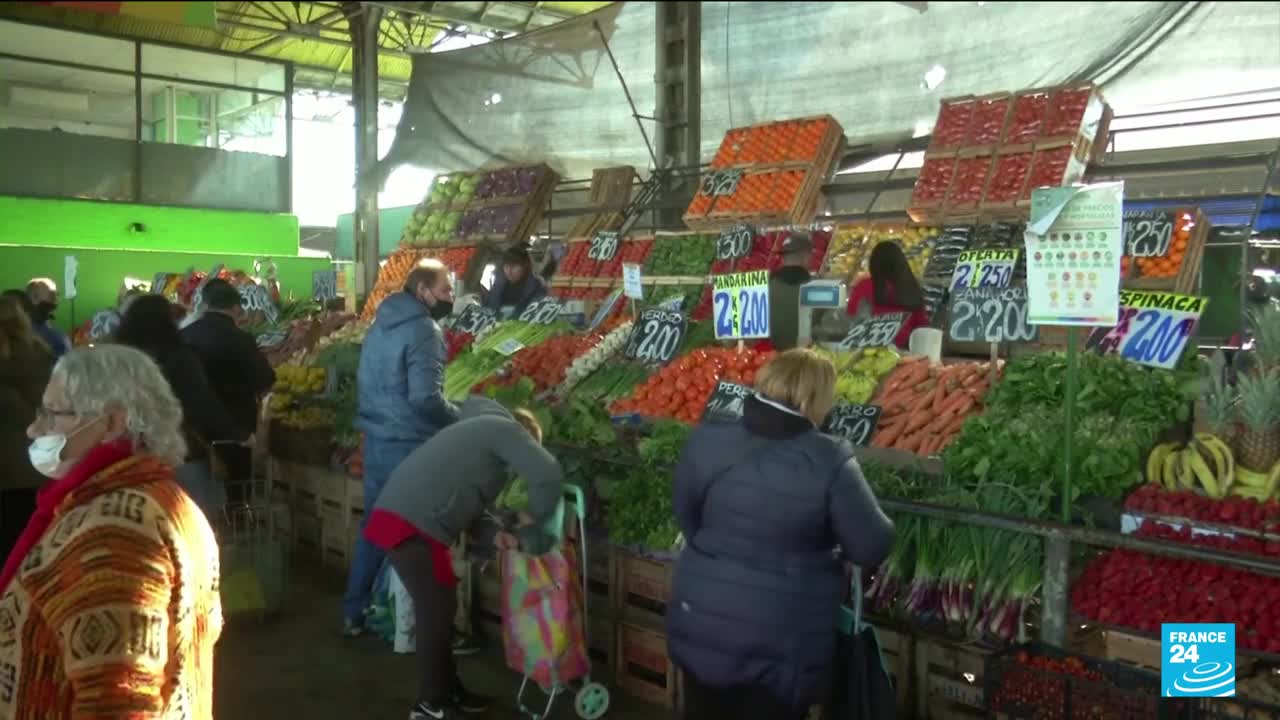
point(591, 700)
point(252, 535)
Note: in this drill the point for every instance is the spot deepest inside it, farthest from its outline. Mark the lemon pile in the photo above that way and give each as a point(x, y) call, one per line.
point(851, 247)
point(296, 380)
point(858, 373)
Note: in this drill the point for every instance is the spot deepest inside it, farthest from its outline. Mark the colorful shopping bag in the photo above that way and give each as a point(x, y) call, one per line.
point(542, 619)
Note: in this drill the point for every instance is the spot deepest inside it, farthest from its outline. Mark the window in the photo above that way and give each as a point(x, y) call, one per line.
point(37, 96)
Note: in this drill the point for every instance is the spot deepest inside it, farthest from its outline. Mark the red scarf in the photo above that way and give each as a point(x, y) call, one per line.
point(51, 496)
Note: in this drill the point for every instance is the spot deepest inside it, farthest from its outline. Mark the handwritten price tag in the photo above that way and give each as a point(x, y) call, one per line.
point(990, 315)
point(604, 245)
point(509, 347)
point(474, 319)
point(656, 336)
point(541, 312)
point(104, 325)
point(324, 285)
point(984, 268)
point(721, 182)
point(1153, 329)
point(726, 401)
point(1148, 233)
point(268, 340)
point(735, 242)
point(255, 298)
point(854, 423)
point(741, 305)
point(875, 331)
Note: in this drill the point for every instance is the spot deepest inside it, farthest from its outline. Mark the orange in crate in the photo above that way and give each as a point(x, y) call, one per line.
point(785, 190)
point(753, 192)
point(731, 148)
point(700, 206)
point(809, 139)
point(1170, 264)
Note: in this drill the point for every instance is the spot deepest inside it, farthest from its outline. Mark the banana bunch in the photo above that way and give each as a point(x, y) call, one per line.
point(1205, 461)
point(1256, 485)
point(858, 372)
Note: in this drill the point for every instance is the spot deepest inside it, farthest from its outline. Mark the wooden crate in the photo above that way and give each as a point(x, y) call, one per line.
point(1187, 281)
point(355, 493)
point(1132, 649)
point(897, 649)
point(642, 667)
point(306, 533)
point(602, 636)
point(949, 680)
point(600, 576)
point(642, 588)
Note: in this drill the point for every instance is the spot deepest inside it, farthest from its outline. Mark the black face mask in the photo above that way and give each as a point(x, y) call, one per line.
point(44, 311)
point(441, 310)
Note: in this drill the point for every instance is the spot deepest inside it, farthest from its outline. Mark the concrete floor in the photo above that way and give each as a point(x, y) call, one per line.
point(297, 666)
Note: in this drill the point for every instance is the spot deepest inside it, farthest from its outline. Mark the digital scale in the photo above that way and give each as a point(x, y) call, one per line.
point(817, 296)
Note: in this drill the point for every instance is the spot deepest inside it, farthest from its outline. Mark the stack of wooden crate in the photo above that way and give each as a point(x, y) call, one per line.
point(326, 506)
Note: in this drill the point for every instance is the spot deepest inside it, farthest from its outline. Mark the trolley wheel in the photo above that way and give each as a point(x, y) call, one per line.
point(592, 701)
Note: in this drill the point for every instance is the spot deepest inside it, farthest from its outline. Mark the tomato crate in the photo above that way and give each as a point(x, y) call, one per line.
point(641, 589)
point(949, 680)
point(642, 667)
point(1039, 682)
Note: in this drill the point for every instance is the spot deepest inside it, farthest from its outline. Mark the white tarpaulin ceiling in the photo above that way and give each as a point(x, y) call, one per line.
point(552, 96)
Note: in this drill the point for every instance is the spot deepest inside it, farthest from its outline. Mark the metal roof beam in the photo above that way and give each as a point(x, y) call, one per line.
point(443, 12)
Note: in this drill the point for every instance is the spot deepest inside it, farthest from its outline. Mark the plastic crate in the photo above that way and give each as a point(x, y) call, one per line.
point(1120, 693)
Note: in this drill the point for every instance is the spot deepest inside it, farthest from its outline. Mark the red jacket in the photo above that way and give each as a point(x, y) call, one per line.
point(864, 290)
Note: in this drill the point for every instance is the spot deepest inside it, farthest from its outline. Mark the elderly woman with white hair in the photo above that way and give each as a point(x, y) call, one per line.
point(109, 602)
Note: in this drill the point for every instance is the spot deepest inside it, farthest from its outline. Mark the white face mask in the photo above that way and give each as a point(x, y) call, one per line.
point(45, 452)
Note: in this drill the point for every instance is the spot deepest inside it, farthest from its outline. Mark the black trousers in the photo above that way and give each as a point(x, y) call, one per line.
point(16, 508)
point(434, 607)
point(736, 703)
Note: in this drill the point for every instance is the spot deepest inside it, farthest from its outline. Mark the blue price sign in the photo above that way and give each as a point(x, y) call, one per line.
point(741, 305)
point(984, 269)
point(1153, 329)
point(1198, 660)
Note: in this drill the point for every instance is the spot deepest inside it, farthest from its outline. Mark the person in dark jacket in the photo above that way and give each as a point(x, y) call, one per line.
point(422, 511)
point(401, 403)
point(517, 285)
point(757, 590)
point(25, 365)
point(784, 290)
point(237, 370)
point(148, 325)
point(44, 301)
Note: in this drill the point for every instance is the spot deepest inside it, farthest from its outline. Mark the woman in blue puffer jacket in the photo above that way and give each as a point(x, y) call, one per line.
point(757, 590)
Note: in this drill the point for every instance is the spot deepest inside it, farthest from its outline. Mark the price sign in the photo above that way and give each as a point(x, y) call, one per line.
point(509, 347)
point(735, 242)
point(604, 245)
point(541, 312)
point(255, 298)
point(854, 423)
point(605, 309)
point(726, 401)
point(474, 319)
point(656, 336)
point(990, 315)
point(1153, 328)
point(324, 285)
point(103, 325)
point(741, 304)
point(721, 182)
point(874, 331)
point(1148, 233)
point(268, 340)
point(984, 268)
point(631, 286)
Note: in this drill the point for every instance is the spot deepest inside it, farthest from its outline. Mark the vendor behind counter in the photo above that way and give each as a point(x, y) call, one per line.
point(516, 286)
point(891, 288)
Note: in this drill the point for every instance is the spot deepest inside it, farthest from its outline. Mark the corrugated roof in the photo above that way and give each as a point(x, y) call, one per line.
point(313, 35)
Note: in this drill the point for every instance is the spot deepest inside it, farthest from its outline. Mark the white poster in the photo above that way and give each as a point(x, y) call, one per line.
point(69, 268)
point(1074, 245)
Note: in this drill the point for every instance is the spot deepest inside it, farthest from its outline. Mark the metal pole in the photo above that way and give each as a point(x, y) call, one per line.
point(1072, 361)
point(364, 43)
point(623, 82)
point(288, 138)
point(1055, 591)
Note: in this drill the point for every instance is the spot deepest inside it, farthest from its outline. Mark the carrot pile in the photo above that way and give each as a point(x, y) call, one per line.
point(923, 405)
point(681, 389)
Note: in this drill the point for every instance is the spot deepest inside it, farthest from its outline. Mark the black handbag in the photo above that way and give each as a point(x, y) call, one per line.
point(861, 688)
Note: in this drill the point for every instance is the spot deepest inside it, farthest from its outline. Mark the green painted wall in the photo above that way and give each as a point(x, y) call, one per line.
point(100, 272)
point(391, 222)
point(88, 224)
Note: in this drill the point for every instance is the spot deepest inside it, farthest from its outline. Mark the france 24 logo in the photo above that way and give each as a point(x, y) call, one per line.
point(1198, 660)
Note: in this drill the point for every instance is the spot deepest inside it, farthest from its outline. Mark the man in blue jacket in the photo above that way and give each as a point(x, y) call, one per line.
point(401, 402)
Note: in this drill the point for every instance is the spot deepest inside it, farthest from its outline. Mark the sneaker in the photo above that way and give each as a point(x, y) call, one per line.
point(465, 645)
point(468, 702)
point(427, 711)
point(352, 628)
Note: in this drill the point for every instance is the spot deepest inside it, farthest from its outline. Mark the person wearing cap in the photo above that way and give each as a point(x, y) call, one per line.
point(517, 285)
point(784, 291)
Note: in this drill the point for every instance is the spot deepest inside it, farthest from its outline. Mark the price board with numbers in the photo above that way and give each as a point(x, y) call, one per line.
point(984, 268)
point(1153, 329)
point(104, 325)
point(541, 312)
point(720, 183)
point(990, 315)
point(853, 422)
point(740, 304)
point(874, 331)
point(656, 337)
point(1148, 233)
point(735, 242)
point(726, 401)
point(324, 284)
point(474, 319)
point(255, 298)
point(268, 340)
point(604, 245)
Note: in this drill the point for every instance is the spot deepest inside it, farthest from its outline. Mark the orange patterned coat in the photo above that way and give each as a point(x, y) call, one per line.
point(115, 612)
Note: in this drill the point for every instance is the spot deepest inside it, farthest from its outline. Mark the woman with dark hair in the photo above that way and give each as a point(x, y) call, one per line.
point(516, 286)
point(148, 325)
point(25, 364)
point(892, 288)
